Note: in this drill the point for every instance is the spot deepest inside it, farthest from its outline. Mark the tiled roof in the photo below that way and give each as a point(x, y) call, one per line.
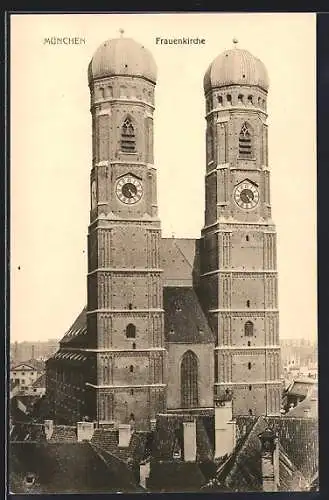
point(71, 356)
point(308, 408)
point(64, 434)
point(242, 469)
point(169, 429)
point(78, 330)
point(184, 318)
point(301, 387)
point(108, 440)
point(64, 468)
point(297, 436)
point(175, 477)
point(177, 261)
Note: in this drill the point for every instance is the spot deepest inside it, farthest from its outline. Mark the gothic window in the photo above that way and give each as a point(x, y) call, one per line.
point(130, 331)
point(189, 380)
point(245, 145)
point(128, 139)
point(249, 329)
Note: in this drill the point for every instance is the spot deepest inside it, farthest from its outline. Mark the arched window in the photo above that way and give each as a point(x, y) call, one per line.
point(220, 100)
point(245, 145)
point(229, 99)
point(247, 238)
point(189, 380)
point(130, 331)
point(250, 99)
point(130, 306)
point(249, 329)
point(128, 139)
point(249, 366)
point(240, 98)
point(134, 345)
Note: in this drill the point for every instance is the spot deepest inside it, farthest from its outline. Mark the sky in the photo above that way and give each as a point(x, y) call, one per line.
point(51, 151)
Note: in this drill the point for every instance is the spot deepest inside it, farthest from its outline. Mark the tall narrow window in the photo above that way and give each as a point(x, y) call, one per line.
point(131, 368)
point(249, 366)
point(248, 303)
point(189, 380)
point(249, 329)
point(130, 331)
point(128, 139)
point(245, 145)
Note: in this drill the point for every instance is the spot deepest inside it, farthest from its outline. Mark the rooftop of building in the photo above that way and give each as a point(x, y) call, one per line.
point(122, 57)
point(44, 467)
point(236, 67)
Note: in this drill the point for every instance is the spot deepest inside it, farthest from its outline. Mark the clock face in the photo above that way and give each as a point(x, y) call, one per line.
point(246, 195)
point(129, 189)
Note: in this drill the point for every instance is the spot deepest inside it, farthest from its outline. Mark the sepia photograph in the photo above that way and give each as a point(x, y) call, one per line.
point(163, 253)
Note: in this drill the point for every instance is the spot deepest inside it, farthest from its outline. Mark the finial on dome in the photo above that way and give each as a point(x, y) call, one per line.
point(235, 41)
point(121, 31)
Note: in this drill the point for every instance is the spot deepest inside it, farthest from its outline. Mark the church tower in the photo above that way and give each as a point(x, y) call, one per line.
point(125, 293)
point(238, 242)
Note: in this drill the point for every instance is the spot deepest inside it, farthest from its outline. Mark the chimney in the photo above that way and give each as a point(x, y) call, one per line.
point(269, 460)
point(153, 424)
point(85, 431)
point(124, 435)
point(225, 427)
point(189, 436)
point(144, 472)
point(49, 428)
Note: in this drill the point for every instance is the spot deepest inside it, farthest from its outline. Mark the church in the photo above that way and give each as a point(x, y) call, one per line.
point(171, 324)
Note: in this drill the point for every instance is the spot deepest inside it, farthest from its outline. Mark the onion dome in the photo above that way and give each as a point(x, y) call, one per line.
point(122, 57)
point(236, 67)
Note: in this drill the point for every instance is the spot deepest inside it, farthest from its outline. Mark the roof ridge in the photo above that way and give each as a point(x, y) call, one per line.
point(181, 251)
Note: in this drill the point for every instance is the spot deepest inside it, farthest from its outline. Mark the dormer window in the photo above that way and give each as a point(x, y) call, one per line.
point(128, 139)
